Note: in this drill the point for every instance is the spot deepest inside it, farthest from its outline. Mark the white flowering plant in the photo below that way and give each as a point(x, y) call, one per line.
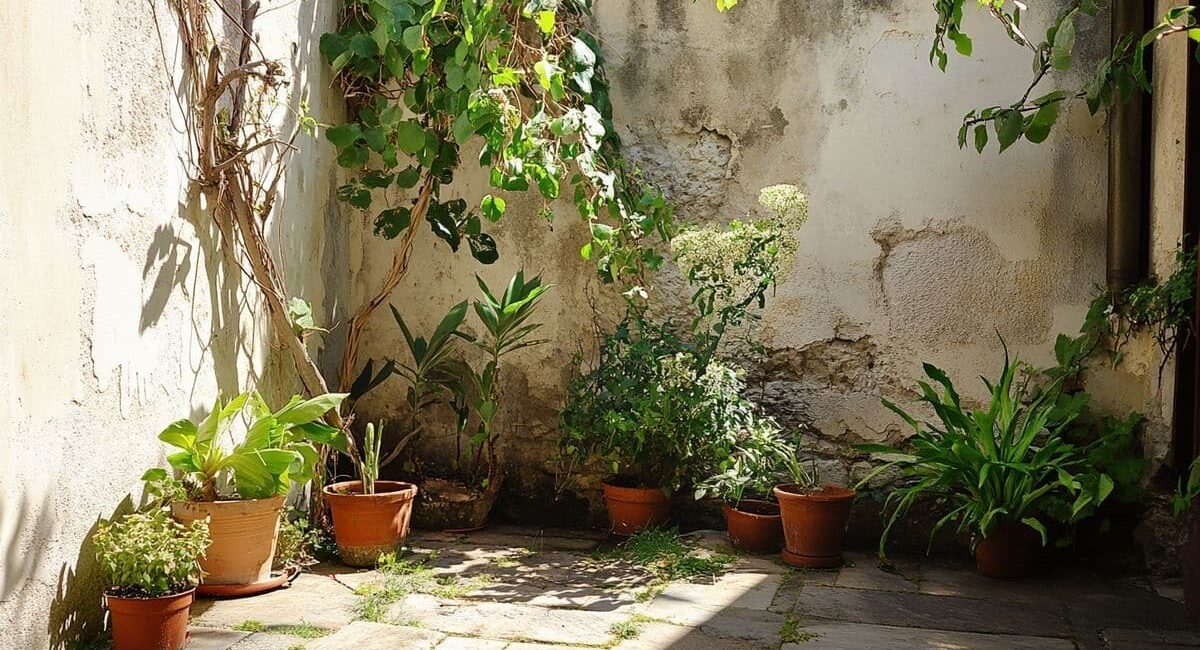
point(732, 269)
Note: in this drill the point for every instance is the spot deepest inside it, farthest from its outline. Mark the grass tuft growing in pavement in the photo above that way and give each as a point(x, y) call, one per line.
point(303, 630)
point(400, 578)
point(791, 632)
point(667, 557)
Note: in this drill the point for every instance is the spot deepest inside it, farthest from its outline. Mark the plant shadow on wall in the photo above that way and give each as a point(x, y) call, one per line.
point(19, 517)
point(76, 619)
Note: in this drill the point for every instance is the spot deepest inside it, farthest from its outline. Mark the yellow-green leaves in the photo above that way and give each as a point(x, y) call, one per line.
point(726, 5)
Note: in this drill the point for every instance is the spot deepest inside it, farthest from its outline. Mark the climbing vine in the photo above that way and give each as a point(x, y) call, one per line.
point(523, 79)
point(1116, 78)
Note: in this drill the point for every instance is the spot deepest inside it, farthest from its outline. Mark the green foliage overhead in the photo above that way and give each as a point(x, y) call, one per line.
point(1116, 78)
point(148, 554)
point(525, 80)
point(279, 448)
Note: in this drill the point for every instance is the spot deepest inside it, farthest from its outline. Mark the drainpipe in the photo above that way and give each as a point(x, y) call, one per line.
point(1128, 168)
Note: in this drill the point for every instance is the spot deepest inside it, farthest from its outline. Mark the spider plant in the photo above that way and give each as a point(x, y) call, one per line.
point(993, 465)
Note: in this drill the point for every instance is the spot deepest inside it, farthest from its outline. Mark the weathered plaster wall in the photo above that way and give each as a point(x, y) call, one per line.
point(915, 250)
point(118, 315)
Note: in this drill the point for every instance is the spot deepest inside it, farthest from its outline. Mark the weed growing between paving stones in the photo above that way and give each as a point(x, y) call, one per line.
point(791, 632)
point(400, 578)
point(667, 557)
point(303, 630)
point(630, 628)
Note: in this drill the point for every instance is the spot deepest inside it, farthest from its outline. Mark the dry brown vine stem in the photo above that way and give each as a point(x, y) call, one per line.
point(227, 173)
point(394, 277)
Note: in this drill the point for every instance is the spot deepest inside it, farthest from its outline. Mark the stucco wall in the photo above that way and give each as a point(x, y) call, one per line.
point(914, 251)
point(118, 314)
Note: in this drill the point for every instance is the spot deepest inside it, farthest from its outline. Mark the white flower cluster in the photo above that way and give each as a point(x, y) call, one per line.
point(722, 255)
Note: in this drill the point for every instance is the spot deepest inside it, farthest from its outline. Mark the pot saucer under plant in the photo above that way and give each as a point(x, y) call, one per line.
point(277, 580)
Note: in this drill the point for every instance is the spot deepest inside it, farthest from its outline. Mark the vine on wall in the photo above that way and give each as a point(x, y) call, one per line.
point(523, 79)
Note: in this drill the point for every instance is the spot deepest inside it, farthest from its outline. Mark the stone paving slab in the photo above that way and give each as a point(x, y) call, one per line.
point(756, 626)
point(859, 636)
point(522, 623)
point(268, 641)
point(1124, 639)
point(311, 599)
point(362, 635)
point(693, 603)
point(862, 571)
point(663, 636)
point(213, 638)
point(932, 612)
point(466, 643)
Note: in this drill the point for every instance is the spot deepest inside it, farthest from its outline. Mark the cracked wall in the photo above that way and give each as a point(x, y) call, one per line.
point(915, 250)
point(119, 314)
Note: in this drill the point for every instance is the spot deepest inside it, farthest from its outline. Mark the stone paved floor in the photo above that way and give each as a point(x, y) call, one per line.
point(524, 589)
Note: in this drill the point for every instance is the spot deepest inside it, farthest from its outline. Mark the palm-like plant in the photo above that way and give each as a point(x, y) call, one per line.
point(507, 325)
point(994, 465)
point(278, 450)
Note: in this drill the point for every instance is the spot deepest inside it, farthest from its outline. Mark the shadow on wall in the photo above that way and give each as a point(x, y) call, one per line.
point(76, 618)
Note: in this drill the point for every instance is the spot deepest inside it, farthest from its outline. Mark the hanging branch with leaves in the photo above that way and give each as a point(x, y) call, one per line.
point(524, 79)
point(1116, 78)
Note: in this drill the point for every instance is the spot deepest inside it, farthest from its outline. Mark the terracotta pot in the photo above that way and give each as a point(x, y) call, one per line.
point(754, 526)
point(369, 525)
point(1009, 552)
point(1189, 565)
point(150, 623)
point(243, 537)
point(813, 522)
point(633, 509)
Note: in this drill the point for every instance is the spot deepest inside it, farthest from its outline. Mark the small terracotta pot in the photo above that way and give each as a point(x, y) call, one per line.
point(754, 526)
point(1189, 564)
point(369, 525)
point(243, 537)
point(813, 522)
point(150, 623)
point(1009, 552)
point(633, 509)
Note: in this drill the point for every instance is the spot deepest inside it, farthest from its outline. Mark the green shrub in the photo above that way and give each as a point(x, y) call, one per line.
point(148, 554)
point(1001, 464)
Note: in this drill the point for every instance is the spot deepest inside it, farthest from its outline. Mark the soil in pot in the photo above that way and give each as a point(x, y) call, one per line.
point(150, 623)
point(633, 508)
point(449, 505)
point(369, 525)
point(754, 526)
point(1009, 552)
point(814, 519)
point(243, 538)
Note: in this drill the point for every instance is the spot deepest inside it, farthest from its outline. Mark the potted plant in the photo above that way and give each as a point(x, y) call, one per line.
point(370, 517)
point(151, 565)
point(240, 490)
point(745, 479)
point(460, 496)
point(632, 414)
point(1189, 554)
point(998, 468)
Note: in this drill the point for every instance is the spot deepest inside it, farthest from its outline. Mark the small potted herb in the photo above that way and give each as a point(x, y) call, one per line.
point(370, 517)
point(240, 491)
point(745, 479)
point(999, 468)
point(151, 565)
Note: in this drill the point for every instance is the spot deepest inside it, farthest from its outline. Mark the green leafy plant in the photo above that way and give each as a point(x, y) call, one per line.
point(507, 328)
point(299, 543)
point(993, 465)
point(148, 554)
point(1187, 491)
point(749, 464)
point(278, 449)
point(1116, 78)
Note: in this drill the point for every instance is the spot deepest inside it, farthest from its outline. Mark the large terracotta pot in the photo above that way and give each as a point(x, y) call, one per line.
point(633, 509)
point(150, 623)
point(754, 526)
point(369, 525)
point(813, 521)
point(243, 538)
point(1009, 552)
point(1189, 565)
